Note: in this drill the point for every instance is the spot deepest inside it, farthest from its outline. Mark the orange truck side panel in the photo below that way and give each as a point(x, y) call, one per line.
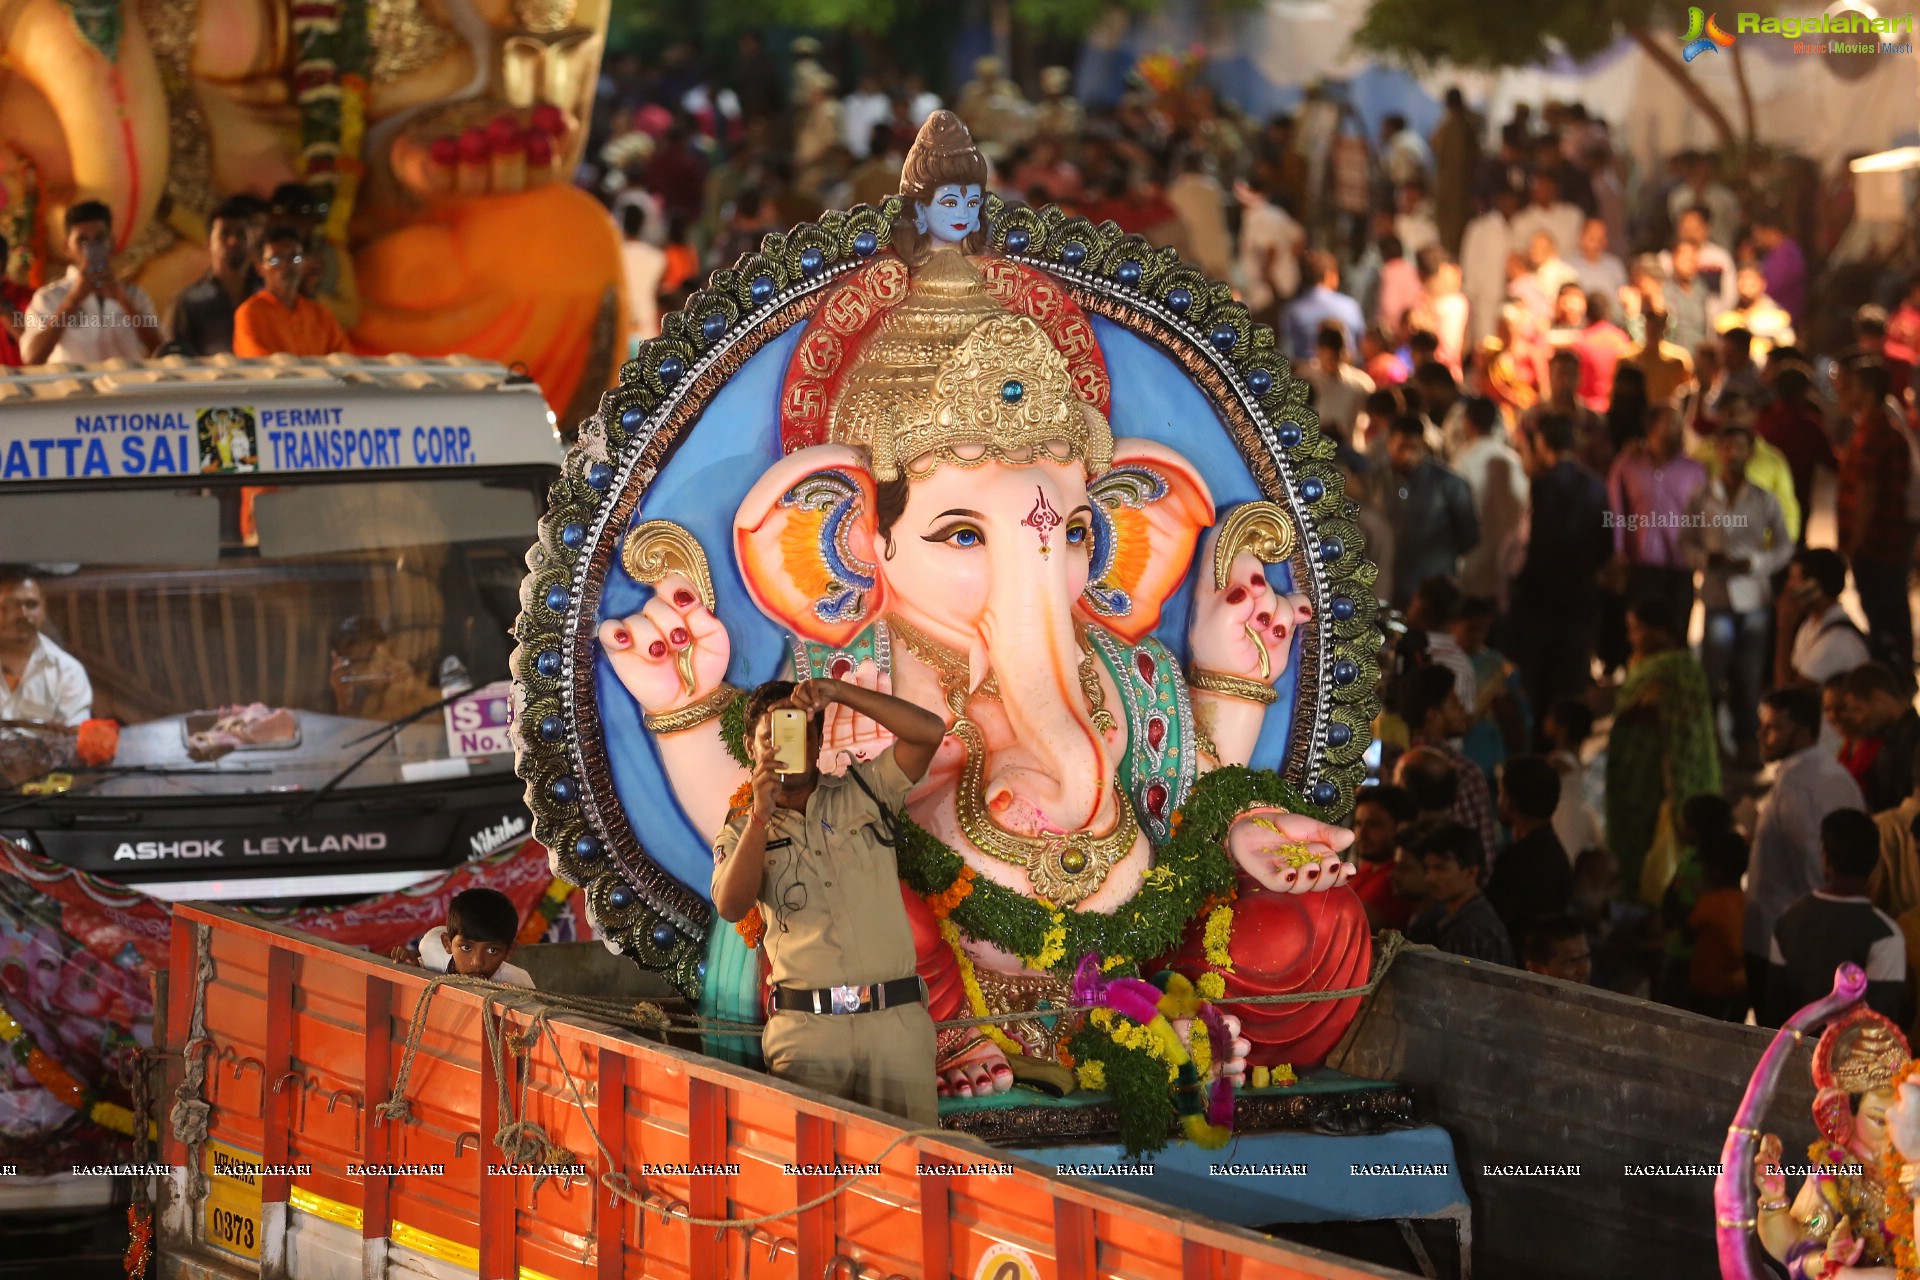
point(346, 1016)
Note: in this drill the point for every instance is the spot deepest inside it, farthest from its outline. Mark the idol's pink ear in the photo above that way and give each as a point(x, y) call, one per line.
point(1149, 510)
point(1833, 1115)
point(805, 540)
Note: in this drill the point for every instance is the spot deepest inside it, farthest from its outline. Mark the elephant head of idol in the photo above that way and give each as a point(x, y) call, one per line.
point(967, 496)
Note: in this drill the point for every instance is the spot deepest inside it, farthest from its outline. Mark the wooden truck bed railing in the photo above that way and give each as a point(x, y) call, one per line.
point(304, 1040)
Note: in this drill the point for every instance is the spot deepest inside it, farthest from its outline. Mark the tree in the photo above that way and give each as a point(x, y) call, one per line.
point(1470, 33)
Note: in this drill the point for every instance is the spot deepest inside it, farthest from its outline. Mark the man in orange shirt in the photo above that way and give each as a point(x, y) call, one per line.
point(278, 318)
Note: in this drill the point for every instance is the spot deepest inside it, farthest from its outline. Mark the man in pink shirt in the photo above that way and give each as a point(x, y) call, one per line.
point(1601, 345)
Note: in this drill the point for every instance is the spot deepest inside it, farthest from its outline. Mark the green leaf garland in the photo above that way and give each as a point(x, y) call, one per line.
point(733, 731)
point(1137, 1083)
point(1190, 870)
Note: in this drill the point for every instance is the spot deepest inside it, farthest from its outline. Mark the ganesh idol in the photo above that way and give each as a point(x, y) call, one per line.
point(935, 498)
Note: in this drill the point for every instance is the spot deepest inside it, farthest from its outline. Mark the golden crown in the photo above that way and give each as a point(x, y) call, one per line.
point(952, 376)
point(1861, 1052)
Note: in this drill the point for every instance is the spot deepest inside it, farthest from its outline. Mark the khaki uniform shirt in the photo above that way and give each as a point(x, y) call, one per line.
point(830, 894)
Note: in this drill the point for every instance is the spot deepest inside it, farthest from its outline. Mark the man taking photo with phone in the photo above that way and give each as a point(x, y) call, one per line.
point(89, 314)
point(814, 852)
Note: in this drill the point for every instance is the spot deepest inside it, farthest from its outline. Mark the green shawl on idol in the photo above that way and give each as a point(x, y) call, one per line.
point(1663, 737)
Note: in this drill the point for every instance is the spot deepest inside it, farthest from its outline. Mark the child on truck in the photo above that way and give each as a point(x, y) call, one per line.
point(474, 942)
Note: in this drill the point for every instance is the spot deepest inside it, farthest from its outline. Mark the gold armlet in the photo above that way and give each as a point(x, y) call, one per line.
point(693, 714)
point(1773, 1206)
point(1231, 686)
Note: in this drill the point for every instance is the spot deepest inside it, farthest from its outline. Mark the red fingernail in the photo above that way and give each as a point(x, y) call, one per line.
point(656, 650)
point(1236, 595)
point(681, 599)
point(621, 638)
point(1306, 612)
point(1263, 618)
point(678, 635)
point(1257, 580)
point(1281, 631)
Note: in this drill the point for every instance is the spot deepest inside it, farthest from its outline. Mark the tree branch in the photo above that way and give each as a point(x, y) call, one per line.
point(1655, 48)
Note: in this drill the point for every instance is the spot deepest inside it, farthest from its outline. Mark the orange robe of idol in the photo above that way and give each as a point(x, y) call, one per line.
point(509, 278)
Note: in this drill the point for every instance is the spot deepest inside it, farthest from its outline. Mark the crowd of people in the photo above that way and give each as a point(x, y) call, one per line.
point(273, 285)
point(1578, 405)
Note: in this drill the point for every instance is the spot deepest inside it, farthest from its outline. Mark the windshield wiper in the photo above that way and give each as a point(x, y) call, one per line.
point(385, 734)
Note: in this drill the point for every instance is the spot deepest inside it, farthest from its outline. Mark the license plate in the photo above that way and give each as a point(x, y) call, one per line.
point(233, 1225)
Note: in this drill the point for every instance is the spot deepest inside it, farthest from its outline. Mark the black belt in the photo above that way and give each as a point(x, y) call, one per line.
point(830, 1000)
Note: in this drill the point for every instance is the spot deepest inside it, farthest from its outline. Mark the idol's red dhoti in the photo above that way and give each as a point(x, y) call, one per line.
point(1285, 944)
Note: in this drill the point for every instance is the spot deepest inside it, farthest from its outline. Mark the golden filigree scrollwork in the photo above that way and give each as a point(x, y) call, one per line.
point(545, 16)
point(656, 548)
point(405, 36)
point(1263, 529)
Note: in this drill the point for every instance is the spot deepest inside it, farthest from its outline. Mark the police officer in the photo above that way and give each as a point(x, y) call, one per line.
point(849, 1014)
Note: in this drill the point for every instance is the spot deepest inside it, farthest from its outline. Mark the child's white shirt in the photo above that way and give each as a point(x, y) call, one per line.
point(435, 955)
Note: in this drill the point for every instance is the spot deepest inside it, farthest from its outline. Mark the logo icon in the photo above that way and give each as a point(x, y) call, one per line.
point(1703, 34)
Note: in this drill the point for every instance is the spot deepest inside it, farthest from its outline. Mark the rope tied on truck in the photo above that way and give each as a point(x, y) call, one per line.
point(191, 1110)
point(525, 1141)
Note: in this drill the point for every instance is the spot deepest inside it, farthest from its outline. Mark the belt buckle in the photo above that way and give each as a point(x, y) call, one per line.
point(847, 999)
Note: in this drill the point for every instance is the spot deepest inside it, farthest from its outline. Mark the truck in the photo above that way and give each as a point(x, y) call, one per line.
point(290, 585)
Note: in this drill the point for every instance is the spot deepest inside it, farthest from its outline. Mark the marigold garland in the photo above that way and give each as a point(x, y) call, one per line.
point(752, 927)
point(1899, 1201)
point(1053, 948)
point(544, 913)
point(59, 1082)
point(1899, 1215)
point(943, 903)
point(976, 999)
point(1211, 985)
point(1219, 929)
point(1190, 869)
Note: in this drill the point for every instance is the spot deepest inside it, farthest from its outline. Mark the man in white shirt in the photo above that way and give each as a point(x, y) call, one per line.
point(89, 314)
point(1493, 470)
point(1737, 538)
point(1485, 248)
point(39, 680)
point(1405, 154)
point(1548, 213)
point(1826, 640)
point(1597, 270)
point(1270, 245)
point(862, 109)
point(1808, 784)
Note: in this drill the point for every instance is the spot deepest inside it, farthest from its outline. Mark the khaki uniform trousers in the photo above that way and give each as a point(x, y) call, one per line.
point(882, 1059)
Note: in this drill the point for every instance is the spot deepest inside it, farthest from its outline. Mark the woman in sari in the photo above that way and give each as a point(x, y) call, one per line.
point(1662, 750)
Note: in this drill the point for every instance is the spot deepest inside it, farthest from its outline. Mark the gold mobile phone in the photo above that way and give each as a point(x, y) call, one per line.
point(789, 740)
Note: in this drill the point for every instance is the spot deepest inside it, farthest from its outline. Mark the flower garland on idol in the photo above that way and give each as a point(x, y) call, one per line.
point(59, 1082)
point(1129, 1048)
point(332, 54)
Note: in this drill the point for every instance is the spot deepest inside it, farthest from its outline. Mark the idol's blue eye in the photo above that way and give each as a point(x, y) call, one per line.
point(964, 537)
point(958, 535)
point(1076, 534)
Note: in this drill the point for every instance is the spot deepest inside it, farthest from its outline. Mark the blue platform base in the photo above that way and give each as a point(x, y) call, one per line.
point(1262, 1179)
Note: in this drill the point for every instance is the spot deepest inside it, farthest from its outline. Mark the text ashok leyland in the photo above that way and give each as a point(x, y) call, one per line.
point(251, 847)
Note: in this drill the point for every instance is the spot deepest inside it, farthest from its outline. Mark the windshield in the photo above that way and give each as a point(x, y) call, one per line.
point(250, 638)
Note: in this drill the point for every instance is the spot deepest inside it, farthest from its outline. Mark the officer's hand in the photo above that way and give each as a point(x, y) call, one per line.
point(766, 781)
point(815, 696)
